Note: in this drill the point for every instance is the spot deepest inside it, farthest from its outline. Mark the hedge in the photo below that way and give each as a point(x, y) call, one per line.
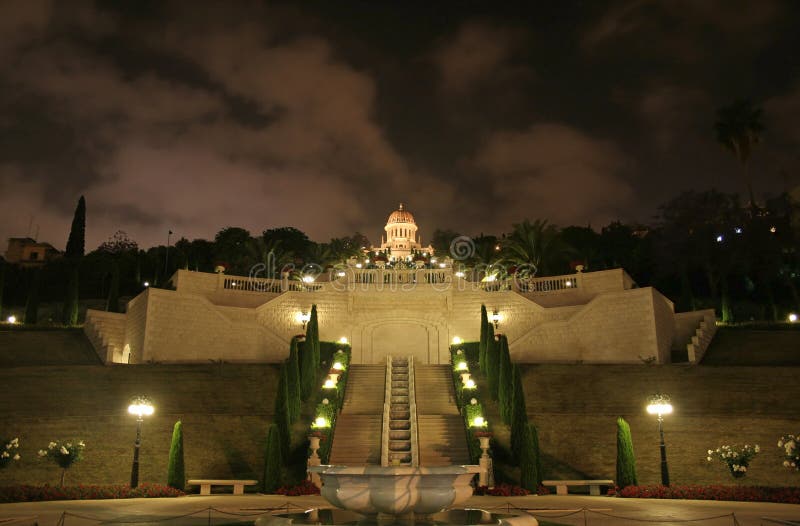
point(176, 471)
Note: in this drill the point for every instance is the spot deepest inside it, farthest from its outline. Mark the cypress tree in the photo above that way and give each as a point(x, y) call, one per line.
point(312, 336)
point(519, 413)
point(70, 312)
point(282, 418)
point(2, 285)
point(77, 233)
point(533, 431)
point(294, 381)
point(505, 388)
point(273, 461)
point(112, 305)
point(32, 303)
point(492, 362)
point(626, 462)
point(482, 345)
point(530, 465)
point(176, 472)
point(308, 373)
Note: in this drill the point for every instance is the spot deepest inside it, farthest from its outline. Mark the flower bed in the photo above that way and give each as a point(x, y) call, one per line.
point(25, 493)
point(697, 492)
point(506, 490)
point(304, 488)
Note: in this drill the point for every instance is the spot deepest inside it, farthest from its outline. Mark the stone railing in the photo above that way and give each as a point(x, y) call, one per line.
point(548, 284)
point(400, 277)
point(412, 405)
point(387, 404)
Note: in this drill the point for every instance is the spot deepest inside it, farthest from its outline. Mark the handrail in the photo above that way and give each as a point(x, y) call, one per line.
point(412, 407)
point(387, 399)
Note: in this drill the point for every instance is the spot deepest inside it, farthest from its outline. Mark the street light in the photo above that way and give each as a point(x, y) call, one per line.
point(659, 405)
point(141, 407)
point(495, 319)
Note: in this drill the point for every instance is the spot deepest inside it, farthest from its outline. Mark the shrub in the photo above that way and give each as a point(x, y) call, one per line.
point(492, 363)
point(714, 492)
point(176, 472)
point(502, 490)
point(530, 463)
point(306, 487)
point(25, 493)
point(519, 413)
point(282, 418)
point(293, 386)
point(736, 458)
point(70, 310)
point(273, 461)
point(792, 452)
point(9, 451)
point(626, 462)
point(308, 370)
point(63, 453)
point(482, 343)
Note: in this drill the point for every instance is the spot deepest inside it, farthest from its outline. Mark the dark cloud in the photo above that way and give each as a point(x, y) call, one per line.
point(196, 116)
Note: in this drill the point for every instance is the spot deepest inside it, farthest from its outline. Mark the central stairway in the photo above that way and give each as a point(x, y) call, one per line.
point(358, 427)
point(442, 439)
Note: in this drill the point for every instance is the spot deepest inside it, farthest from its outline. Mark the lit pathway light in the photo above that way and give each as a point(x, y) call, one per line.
point(141, 407)
point(660, 405)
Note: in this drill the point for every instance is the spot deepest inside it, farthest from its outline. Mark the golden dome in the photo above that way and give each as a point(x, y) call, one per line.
point(401, 216)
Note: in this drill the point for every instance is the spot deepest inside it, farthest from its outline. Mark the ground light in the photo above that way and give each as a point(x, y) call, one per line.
point(343, 340)
point(141, 407)
point(457, 340)
point(12, 320)
point(792, 318)
point(660, 405)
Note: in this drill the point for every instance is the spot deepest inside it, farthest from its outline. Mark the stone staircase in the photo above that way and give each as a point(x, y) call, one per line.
point(106, 332)
point(357, 441)
point(399, 446)
point(442, 440)
point(705, 332)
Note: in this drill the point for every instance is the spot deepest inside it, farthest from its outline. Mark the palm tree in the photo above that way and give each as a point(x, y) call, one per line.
point(739, 127)
point(270, 258)
point(536, 244)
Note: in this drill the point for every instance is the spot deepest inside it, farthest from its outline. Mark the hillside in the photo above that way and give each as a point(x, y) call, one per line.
point(225, 410)
point(575, 409)
point(20, 346)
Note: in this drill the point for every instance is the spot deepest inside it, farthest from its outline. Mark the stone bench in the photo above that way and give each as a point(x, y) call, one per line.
point(561, 485)
point(205, 485)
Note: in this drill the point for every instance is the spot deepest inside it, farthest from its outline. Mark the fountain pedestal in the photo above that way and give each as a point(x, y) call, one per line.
point(314, 460)
point(486, 478)
point(370, 490)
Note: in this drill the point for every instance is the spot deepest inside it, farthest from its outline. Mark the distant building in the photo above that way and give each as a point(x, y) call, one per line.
point(401, 237)
point(27, 252)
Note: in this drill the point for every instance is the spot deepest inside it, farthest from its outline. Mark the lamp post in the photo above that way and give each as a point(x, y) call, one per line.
point(141, 407)
point(660, 405)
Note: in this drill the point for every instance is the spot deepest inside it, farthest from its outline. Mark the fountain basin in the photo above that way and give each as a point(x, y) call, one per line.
point(396, 490)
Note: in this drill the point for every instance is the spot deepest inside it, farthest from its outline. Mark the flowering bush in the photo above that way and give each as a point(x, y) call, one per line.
point(24, 493)
point(9, 452)
point(737, 459)
point(789, 444)
point(65, 454)
point(304, 488)
point(696, 492)
point(504, 490)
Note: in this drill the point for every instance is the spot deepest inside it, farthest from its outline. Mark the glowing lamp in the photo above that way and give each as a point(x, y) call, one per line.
point(457, 340)
point(341, 273)
point(495, 318)
point(338, 366)
point(461, 366)
point(358, 265)
point(442, 265)
point(792, 318)
point(343, 340)
point(479, 421)
point(329, 384)
point(489, 278)
point(308, 279)
point(659, 405)
point(11, 319)
point(460, 274)
point(321, 421)
point(568, 283)
point(469, 384)
point(146, 284)
point(141, 407)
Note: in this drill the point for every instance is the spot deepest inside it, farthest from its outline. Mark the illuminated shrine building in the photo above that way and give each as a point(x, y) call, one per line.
point(401, 239)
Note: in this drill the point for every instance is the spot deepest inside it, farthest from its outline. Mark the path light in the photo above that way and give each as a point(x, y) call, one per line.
point(141, 407)
point(338, 366)
point(660, 405)
point(12, 320)
point(568, 283)
point(329, 384)
point(303, 317)
point(461, 366)
point(457, 340)
point(469, 384)
point(320, 422)
point(792, 318)
point(479, 421)
point(146, 284)
point(720, 239)
point(308, 278)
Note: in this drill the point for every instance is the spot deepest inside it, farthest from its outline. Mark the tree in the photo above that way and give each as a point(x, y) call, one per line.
point(70, 311)
point(293, 389)
point(483, 343)
point(77, 233)
point(441, 241)
point(32, 303)
point(176, 472)
point(231, 248)
point(291, 239)
point(2, 284)
point(626, 462)
point(738, 128)
point(530, 463)
point(537, 246)
point(112, 304)
point(492, 365)
point(273, 462)
point(310, 358)
point(519, 414)
point(505, 392)
point(282, 416)
point(119, 243)
point(271, 254)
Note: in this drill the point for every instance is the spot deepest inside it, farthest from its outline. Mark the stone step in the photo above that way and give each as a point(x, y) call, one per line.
point(399, 445)
point(400, 424)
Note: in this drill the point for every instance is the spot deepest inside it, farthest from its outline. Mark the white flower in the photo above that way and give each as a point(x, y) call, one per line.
point(780, 443)
point(51, 445)
point(81, 444)
point(42, 453)
point(709, 459)
point(325, 401)
point(16, 457)
point(4, 454)
point(710, 452)
point(64, 451)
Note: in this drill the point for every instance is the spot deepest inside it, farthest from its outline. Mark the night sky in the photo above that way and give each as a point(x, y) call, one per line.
point(193, 116)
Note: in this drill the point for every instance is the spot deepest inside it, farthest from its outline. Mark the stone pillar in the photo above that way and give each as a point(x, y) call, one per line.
point(314, 460)
point(486, 477)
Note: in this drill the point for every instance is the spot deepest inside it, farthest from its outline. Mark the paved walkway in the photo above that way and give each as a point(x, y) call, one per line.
point(604, 511)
